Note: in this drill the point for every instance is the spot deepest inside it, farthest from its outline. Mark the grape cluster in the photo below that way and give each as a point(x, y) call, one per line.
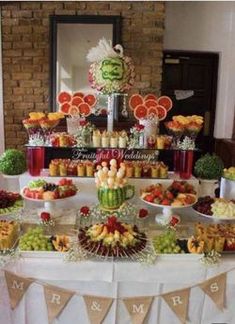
point(166, 243)
point(7, 199)
point(204, 205)
point(35, 240)
point(50, 187)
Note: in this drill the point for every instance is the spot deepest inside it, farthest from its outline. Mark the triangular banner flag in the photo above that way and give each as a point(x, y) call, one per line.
point(17, 287)
point(56, 299)
point(178, 302)
point(97, 308)
point(138, 308)
point(215, 289)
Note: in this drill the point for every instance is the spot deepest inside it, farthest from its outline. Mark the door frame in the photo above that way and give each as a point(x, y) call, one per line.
point(2, 135)
point(215, 61)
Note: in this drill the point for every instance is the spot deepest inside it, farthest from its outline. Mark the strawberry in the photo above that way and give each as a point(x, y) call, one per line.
point(143, 213)
point(45, 216)
point(157, 192)
point(174, 221)
point(166, 202)
point(169, 195)
point(149, 198)
point(85, 210)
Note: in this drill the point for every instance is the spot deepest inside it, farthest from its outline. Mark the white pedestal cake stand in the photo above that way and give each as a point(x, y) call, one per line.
point(164, 218)
point(50, 206)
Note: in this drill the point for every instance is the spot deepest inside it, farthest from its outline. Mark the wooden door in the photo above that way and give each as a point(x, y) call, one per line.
point(196, 72)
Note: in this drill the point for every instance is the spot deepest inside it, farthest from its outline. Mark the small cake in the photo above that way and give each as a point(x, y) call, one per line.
point(112, 239)
point(8, 234)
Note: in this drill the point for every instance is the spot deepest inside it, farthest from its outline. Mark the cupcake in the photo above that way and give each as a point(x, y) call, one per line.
point(81, 169)
point(96, 138)
point(54, 168)
point(122, 139)
point(163, 171)
point(114, 140)
point(89, 169)
point(129, 169)
point(155, 170)
point(137, 169)
point(105, 139)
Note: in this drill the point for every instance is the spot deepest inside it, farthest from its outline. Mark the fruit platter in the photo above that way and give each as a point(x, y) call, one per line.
point(219, 209)
point(43, 190)
point(49, 193)
point(112, 239)
point(34, 242)
point(204, 239)
point(179, 194)
point(10, 202)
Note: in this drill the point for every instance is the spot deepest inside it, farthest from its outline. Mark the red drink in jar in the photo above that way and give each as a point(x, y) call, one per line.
point(35, 160)
point(176, 161)
point(186, 164)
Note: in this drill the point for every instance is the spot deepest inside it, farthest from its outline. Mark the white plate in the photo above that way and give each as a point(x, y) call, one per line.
point(222, 218)
point(166, 206)
point(43, 200)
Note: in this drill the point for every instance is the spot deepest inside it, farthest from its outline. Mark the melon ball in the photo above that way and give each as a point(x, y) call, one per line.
point(110, 181)
point(113, 162)
point(98, 167)
point(112, 173)
point(105, 169)
point(104, 164)
point(100, 173)
point(120, 174)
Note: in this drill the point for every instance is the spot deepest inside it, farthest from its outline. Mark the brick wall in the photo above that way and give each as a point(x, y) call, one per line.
point(25, 42)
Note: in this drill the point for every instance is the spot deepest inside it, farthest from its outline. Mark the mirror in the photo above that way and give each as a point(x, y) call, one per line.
point(71, 38)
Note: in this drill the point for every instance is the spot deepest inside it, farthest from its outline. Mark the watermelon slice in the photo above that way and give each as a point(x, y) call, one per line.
point(166, 102)
point(64, 108)
point(78, 94)
point(84, 109)
point(135, 100)
point(152, 111)
point(140, 112)
point(150, 96)
point(76, 101)
point(162, 112)
point(150, 103)
point(64, 97)
point(73, 111)
point(90, 99)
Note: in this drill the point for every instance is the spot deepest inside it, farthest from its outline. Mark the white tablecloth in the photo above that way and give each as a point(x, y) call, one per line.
point(116, 279)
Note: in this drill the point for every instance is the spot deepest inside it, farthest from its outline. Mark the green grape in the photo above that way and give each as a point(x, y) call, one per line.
point(166, 243)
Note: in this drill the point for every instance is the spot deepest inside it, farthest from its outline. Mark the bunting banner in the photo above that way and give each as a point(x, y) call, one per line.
point(56, 300)
point(215, 289)
point(97, 308)
point(17, 287)
point(138, 308)
point(178, 302)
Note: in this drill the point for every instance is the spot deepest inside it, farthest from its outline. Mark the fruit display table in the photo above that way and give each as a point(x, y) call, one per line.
point(116, 279)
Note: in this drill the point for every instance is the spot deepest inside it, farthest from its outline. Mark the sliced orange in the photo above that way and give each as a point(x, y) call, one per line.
point(166, 102)
point(152, 111)
point(162, 112)
point(64, 97)
point(76, 101)
point(84, 109)
point(150, 103)
point(78, 94)
point(64, 108)
point(140, 112)
point(90, 99)
point(150, 96)
point(135, 100)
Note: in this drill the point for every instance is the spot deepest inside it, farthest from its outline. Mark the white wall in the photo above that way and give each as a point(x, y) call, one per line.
point(208, 26)
point(2, 144)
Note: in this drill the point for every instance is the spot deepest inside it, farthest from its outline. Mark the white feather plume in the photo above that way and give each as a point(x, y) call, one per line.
point(102, 50)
